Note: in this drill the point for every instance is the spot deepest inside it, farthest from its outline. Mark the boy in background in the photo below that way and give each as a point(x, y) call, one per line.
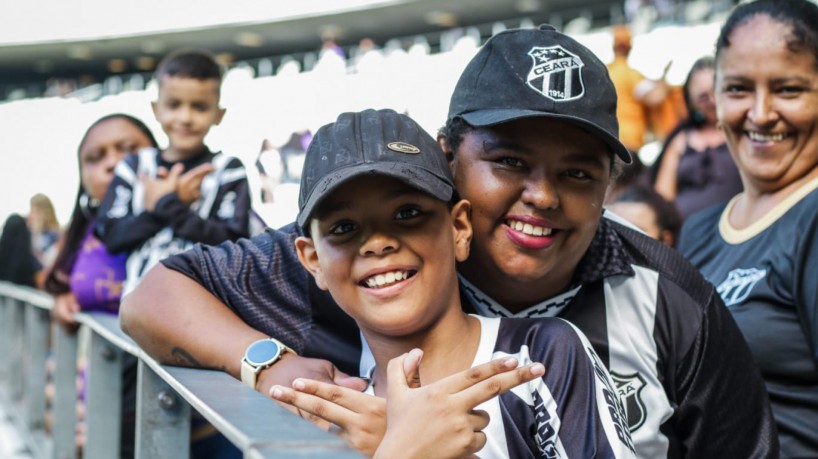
point(383, 229)
point(162, 202)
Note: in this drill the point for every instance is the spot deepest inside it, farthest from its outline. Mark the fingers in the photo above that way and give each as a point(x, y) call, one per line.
point(395, 377)
point(306, 402)
point(176, 170)
point(411, 368)
point(350, 382)
point(502, 381)
point(468, 378)
point(197, 172)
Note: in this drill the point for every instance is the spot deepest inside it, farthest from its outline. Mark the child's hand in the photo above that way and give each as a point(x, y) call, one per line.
point(439, 420)
point(164, 183)
point(358, 418)
point(189, 185)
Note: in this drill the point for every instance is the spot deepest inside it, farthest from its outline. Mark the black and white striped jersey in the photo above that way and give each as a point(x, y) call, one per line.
point(684, 372)
point(123, 224)
point(571, 412)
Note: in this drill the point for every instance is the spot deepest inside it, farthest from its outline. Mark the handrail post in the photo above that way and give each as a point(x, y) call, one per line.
point(37, 321)
point(16, 326)
point(104, 400)
point(162, 418)
point(65, 396)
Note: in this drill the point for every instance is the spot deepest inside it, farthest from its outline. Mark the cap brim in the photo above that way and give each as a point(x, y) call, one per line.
point(414, 176)
point(485, 118)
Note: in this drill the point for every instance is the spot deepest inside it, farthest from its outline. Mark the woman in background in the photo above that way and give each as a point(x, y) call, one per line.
point(45, 229)
point(85, 276)
point(695, 169)
point(761, 248)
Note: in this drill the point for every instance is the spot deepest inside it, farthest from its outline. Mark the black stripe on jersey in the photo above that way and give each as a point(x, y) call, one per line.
point(587, 312)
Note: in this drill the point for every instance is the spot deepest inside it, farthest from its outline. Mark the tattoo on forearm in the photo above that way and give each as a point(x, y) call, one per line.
point(183, 358)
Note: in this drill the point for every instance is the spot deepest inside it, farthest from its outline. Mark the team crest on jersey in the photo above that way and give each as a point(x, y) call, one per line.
point(738, 285)
point(630, 392)
point(556, 73)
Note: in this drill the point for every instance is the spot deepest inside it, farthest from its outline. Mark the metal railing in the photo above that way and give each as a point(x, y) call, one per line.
point(255, 424)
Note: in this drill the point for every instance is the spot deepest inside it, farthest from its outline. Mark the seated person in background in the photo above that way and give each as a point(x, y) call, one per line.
point(650, 212)
point(161, 202)
point(45, 229)
point(18, 264)
point(695, 169)
point(383, 229)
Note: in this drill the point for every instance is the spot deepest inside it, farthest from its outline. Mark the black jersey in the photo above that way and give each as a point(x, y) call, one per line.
point(681, 366)
point(123, 225)
point(766, 274)
point(571, 411)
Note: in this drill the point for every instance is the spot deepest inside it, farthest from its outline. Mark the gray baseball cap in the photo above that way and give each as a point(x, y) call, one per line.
point(372, 142)
point(523, 73)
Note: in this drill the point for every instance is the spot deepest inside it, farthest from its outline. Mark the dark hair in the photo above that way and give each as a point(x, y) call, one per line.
point(17, 261)
point(189, 63)
point(801, 15)
point(694, 118)
point(57, 280)
point(667, 215)
point(456, 128)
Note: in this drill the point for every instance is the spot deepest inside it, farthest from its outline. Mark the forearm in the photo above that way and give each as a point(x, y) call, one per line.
point(178, 322)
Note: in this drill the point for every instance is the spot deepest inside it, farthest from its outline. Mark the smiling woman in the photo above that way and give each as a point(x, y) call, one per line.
point(761, 248)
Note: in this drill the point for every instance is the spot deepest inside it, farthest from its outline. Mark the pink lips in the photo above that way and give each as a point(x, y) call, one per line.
point(527, 241)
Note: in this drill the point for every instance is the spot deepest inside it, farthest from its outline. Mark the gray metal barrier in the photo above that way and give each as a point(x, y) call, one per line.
point(259, 427)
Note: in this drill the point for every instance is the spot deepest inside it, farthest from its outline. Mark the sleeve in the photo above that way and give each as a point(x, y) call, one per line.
point(229, 217)
point(805, 286)
point(575, 409)
point(116, 225)
point(722, 405)
point(260, 279)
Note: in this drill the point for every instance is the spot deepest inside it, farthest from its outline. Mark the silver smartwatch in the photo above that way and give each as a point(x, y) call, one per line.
point(260, 355)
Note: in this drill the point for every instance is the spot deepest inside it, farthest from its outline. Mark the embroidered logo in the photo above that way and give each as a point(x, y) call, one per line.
point(738, 285)
point(630, 392)
point(556, 73)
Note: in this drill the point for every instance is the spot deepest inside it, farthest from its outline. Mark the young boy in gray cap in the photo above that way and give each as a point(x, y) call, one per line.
point(383, 229)
point(532, 140)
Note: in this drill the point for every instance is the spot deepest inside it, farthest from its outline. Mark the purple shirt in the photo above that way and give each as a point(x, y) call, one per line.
point(97, 277)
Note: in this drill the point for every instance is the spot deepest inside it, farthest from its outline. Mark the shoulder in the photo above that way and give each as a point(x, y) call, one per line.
point(667, 266)
point(700, 228)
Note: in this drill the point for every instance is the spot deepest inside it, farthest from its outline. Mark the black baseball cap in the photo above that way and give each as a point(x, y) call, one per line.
point(522, 73)
point(372, 142)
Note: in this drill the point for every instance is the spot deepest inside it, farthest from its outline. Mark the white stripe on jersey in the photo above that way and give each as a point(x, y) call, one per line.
point(631, 306)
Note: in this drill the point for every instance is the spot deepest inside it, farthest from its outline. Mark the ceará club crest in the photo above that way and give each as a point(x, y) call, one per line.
point(556, 73)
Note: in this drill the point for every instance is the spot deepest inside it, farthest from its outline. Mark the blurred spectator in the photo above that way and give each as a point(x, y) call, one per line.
point(636, 94)
point(695, 168)
point(650, 212)
point(636, 97)
point(45, 229)
point(270, 169)
point(18, 264)
point(368, 58)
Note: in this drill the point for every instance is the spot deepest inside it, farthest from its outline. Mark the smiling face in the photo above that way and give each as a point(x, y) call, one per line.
point(537, 187)
point(187, 108)
point(767, 97)
point(104, 146)
point(386, 252)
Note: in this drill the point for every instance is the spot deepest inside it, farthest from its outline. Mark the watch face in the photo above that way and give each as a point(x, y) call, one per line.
point(263, 352)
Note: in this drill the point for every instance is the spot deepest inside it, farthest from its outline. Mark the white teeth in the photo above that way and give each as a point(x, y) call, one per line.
point(379, 280)
point(529, 229)
point(759, 137)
